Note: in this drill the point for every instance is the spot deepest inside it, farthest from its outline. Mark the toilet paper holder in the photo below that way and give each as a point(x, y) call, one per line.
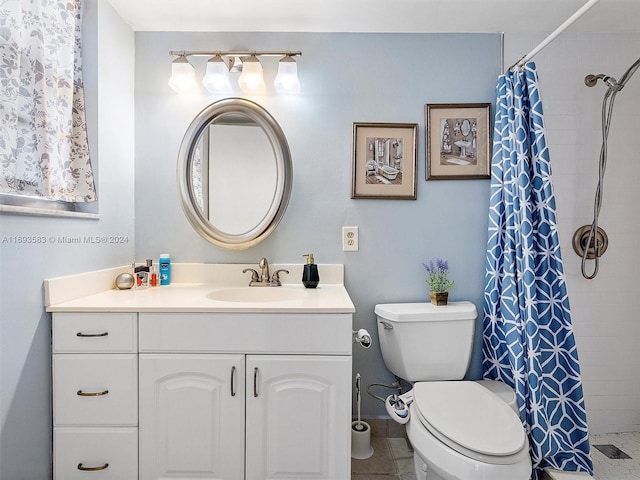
point(362, 337)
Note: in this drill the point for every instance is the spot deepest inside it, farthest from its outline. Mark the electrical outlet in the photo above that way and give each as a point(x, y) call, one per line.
point(349, 239)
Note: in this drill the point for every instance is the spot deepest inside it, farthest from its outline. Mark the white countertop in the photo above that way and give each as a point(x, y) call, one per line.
point(184, 297)
point(99, 295)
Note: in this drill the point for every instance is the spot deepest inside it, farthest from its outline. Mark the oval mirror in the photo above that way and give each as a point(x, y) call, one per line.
point(466, 127)
point(234, 173)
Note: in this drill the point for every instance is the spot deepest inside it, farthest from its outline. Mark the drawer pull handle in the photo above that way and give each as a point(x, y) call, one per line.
point(92, 469)
point(255, 382)
point(233, 381)
point(86, 335)
point(91, 394)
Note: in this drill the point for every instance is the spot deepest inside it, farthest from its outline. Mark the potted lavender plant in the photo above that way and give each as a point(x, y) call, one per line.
point(438, 281)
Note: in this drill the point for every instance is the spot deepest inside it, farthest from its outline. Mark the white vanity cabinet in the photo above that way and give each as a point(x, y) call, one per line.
point(245, 396)
point(210, 381)
point(95, 395)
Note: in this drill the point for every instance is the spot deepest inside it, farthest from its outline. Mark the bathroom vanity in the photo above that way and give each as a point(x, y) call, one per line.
point(203, 380)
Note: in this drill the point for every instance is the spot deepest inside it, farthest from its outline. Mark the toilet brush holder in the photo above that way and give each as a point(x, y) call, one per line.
point(361, 440)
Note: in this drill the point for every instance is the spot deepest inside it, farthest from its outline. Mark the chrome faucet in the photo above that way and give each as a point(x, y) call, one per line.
point(264, 265)
point(264, 279)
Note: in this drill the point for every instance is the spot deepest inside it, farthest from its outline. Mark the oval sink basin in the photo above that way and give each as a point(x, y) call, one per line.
point(255, 294)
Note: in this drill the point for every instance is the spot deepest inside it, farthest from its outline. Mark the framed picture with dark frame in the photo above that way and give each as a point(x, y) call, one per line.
point(458, 141)
point(384, 160)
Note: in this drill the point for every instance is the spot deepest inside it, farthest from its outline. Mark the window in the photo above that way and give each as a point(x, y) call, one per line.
point(44, 153)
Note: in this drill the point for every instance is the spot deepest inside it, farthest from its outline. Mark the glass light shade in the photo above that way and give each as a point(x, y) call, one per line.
point(251, 80)
point(216, 78)
point(287, 79)
point(183, 75)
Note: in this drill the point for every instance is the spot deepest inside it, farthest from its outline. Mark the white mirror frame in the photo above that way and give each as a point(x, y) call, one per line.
point(284, 173)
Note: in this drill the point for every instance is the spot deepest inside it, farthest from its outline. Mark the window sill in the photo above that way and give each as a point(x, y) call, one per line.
point(44, 212)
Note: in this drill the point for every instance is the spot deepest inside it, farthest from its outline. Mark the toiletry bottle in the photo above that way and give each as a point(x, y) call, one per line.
point(153, 273)
point(310, 277)
point(165, 269)
point(142, 276)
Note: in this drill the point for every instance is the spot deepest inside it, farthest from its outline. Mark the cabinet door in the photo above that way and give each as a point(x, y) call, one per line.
point(298, 417)
point(191, 416)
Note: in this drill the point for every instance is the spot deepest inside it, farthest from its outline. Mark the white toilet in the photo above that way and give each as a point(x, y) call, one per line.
point(460, 430)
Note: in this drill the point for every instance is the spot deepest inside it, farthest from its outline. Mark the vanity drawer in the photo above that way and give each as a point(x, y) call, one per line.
point(95, 389)
point(112, 452)
point(324, 334)
point(95, 332)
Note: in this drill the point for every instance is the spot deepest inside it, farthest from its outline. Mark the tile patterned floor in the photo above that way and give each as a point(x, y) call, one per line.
point(609, 469)
point(392, 459)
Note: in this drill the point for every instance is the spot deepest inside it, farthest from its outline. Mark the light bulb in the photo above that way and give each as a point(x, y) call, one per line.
point(251, 80)
point(287, 79)
point(216, 78)
point(183, 75)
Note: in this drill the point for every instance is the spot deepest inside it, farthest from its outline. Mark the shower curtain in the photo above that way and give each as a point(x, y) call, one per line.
point(528, 340)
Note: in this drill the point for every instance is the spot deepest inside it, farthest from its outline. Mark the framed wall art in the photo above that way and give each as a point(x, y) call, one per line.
point(384, 160)
point(458, 141)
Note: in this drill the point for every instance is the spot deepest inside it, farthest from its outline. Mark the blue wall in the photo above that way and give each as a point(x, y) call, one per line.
point(345, 78)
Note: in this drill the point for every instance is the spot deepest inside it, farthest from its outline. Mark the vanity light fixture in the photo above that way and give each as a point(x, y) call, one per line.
point(222, 63)
point(287, 79)
point(251, 79)
point(183, 75)
point(216, 78)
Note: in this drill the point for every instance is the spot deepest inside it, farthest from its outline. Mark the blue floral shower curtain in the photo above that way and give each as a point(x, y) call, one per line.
point(528, 339)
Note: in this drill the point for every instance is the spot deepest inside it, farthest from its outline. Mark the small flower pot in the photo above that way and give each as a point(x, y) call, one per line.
point(439, 298)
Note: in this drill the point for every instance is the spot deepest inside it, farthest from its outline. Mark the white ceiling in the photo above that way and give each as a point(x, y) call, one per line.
point(533, 16)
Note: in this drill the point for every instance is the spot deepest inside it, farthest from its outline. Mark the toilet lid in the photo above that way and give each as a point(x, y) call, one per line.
point(470, 416)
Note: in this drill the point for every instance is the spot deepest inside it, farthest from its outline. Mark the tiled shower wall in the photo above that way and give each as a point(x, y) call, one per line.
point(605, 310)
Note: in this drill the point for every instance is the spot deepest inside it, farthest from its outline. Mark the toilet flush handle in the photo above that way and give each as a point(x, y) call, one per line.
point(387, 326)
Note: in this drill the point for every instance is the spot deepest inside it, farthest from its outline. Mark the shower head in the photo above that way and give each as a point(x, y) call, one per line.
point(591, 80)
point(612, 83)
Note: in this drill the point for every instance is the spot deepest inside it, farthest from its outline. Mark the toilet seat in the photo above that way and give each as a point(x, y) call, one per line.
point(469, 419)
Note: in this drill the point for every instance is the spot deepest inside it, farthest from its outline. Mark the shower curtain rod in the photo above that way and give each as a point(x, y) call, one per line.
point(552, 36)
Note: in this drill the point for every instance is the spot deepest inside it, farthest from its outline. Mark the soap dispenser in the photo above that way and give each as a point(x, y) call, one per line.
point(310, 277)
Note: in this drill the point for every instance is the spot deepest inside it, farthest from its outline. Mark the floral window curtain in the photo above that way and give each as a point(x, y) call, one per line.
point(43, 141)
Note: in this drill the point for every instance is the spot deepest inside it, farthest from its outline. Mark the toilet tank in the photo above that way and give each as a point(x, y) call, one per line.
point(425, 342)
